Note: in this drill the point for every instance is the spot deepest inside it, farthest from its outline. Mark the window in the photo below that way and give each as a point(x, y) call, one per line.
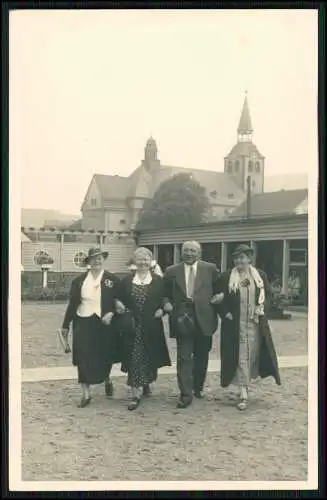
point(298, 252)
point(257, 166)
point(298, 257)
point(299, 244)
point(122, 221)
point(230, 167)
point(79, 259)
point(230, 195)
point(250, 166)
point(237, 166)
point(253, 184)
point(213, 194)
point(93, 202)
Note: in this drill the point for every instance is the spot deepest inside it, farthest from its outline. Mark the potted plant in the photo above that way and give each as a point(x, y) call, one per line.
point(45, 262)
point(278, 302)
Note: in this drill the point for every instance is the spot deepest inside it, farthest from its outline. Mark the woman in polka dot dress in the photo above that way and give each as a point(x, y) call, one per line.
point(140, 297)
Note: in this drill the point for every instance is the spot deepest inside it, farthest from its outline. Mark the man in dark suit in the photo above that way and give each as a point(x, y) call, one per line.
point(191, 289)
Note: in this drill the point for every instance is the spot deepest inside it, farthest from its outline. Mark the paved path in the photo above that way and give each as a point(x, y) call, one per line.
point(69, 372)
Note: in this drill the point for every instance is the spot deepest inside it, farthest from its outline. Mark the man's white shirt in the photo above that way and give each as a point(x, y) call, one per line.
point(187, 272)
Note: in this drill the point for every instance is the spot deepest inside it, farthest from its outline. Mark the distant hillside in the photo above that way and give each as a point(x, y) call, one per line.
point(287, 182)
point(38, 217)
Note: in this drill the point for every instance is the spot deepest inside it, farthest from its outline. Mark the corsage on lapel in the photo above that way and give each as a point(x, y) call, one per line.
point(108, 283)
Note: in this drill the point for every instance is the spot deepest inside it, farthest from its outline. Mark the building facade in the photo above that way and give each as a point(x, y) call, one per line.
point(113, 202)
point(68, 250)
point(280, 246)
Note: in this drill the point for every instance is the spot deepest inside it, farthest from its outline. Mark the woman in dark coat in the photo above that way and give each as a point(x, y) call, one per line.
point(141, 299)
point(91, 310)
point(247, 349)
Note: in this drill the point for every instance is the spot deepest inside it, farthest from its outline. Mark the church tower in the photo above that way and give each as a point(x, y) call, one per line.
point(245, 159)
point(151, 161)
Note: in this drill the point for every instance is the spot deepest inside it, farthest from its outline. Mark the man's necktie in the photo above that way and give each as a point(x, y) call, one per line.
point(190, 282)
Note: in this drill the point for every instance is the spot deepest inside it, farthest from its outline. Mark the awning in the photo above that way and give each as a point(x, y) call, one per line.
point(23, 237)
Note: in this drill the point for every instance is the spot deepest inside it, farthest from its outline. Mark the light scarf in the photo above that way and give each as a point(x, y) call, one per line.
point(234, 284)
point(147, 279)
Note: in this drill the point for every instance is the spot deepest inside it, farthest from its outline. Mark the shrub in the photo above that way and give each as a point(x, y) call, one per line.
point(45, 294)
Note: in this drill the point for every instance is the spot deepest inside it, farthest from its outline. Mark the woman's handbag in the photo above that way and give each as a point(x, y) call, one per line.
point(125, 323)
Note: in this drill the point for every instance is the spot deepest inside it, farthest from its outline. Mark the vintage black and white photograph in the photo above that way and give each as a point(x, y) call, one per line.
point(163, 203)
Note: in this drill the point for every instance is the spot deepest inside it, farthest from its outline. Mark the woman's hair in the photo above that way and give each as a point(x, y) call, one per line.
point(142, 251)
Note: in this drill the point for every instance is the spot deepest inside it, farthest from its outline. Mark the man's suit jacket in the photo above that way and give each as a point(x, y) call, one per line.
point(206, 285)
point(108, 292)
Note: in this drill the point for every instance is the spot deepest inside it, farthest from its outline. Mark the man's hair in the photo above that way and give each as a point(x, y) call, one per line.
point(193, 242)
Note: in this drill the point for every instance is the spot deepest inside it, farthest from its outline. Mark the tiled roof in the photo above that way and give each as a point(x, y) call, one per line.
point(112, 187)
point(276, 203)
point(217, 183)
point(245, 149)
point(139, 183)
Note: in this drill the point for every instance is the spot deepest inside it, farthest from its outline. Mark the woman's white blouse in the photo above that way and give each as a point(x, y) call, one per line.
point(90, 296)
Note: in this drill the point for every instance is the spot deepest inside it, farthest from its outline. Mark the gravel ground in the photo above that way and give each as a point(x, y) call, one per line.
point(211, 440)
point(41, 347)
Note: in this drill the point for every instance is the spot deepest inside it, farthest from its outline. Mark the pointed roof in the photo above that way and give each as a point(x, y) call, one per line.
point(245, 125)
point(151, 143)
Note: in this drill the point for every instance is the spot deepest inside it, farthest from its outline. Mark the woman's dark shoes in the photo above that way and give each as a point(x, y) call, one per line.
point(242, 404)
point(109, 388)
point(84, 402)
point(184, 403)
point(199, 394)
point(147, 391)
point(134, 404)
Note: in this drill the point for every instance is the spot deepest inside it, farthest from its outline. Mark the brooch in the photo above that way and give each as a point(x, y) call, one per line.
point(109, 283)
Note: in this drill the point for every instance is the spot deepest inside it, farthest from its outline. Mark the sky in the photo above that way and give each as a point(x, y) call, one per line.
point(87, 89)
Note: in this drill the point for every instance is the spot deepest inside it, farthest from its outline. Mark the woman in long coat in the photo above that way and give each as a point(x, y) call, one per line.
point(140, 299)
point(247, 349)
point(91, 311)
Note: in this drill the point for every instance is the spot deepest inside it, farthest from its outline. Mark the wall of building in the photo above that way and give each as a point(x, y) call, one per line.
point(64, 254)
point(93, 200)
point(254, 167)
point(114, 220)
point(93, 219)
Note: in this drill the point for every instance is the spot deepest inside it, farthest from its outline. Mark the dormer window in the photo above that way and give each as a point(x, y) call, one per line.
point(93, 202)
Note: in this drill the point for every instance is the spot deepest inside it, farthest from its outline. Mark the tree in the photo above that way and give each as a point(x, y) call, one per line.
point(179, 201)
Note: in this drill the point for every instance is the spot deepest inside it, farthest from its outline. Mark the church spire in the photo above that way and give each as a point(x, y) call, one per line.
point(245, 129)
